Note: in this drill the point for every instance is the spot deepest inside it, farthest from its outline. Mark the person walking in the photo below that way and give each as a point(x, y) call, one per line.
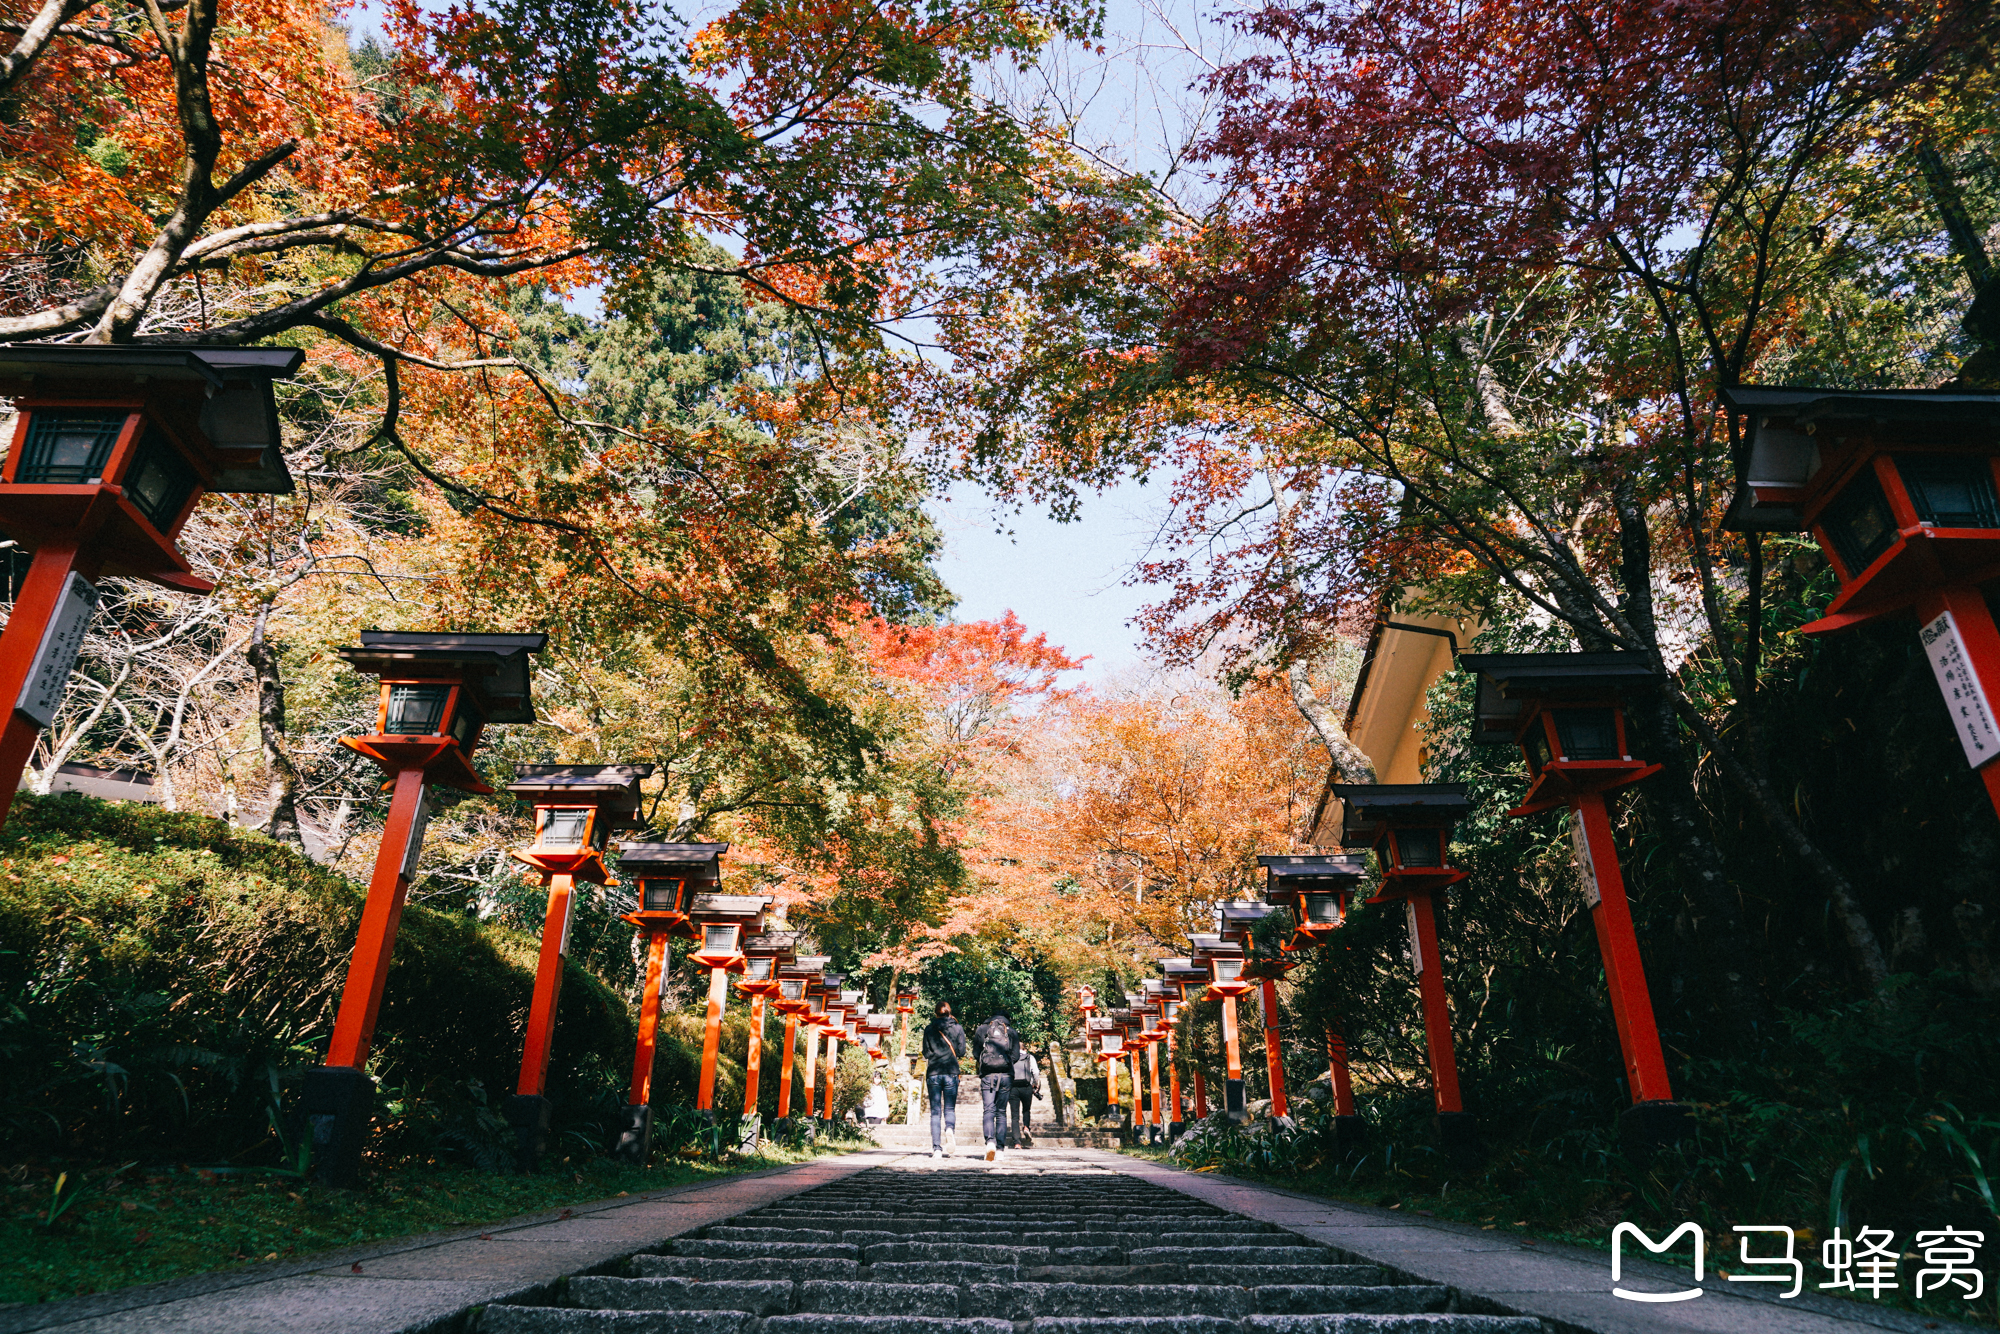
point(1027, 1087)
point(998, 1049)
point(944, 1045)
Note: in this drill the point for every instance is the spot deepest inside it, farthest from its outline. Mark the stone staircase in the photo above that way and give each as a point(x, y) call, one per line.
point(1035, 1244)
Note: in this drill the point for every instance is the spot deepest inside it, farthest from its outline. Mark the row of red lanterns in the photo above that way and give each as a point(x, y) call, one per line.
point(1566, 711)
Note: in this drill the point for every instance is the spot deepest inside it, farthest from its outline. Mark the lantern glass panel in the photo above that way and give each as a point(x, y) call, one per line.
point(416, 710)
point(660, 895)
point(1173, 1011)
point(1322, 909)
point(792, 988)
point(68, 448)
point(159, 480)
point(1226, 970)
point(718, 938)
point(564, 827)
point(757, 970)
point(1587, 734)
point(1419, 847)
point(465, 721)
point(1536, 744)
point(1951, 490)
point(1860, 522)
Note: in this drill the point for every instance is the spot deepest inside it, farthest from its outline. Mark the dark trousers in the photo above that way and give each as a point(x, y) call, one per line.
point(943, 1090)
point(1024, 1111)
point(995, 1092)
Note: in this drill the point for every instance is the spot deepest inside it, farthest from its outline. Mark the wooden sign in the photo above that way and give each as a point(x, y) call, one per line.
point(1964, 694)
point(42, 692)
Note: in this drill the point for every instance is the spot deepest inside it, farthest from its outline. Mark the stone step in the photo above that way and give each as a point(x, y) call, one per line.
point(701, 1267)
point(765, 1250)
point(898, 1250)
point(1230, 1255)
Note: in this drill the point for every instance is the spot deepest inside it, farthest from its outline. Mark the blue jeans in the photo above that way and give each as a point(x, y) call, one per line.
point(943, 1091)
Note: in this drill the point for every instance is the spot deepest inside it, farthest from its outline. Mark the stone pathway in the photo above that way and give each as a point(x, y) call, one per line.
point(1049, 1241)
point(1045, 1244)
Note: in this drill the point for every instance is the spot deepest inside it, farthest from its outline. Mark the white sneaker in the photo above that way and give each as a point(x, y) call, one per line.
point(951, 1139)
point(937, 1153)
point(991, 1150)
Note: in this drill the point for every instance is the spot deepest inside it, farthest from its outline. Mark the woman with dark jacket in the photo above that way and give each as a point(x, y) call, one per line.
point(998, 1050)
point(944, 1043)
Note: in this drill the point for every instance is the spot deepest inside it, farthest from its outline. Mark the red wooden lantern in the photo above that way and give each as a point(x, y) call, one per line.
point(667, 878)
point(1899, 488)
point(1566, 712)
point(1224, 961)
point(1315, 890)
point(577, 806)
point(763, 956)
point(1238, 922)
point(799, 985)
point(724, 921)
point(1408, 825)
point(438, 692)
point(113, 447)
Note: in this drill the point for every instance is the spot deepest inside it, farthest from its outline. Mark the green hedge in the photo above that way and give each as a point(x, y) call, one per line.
point(163, 974)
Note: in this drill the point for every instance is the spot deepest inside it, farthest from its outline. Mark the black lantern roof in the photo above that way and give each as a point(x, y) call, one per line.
point(777, 944)
point(1287, 875)
point(495, 666)
point(1234, 920)
point(807, 964)
point(728, 907)
point(1208, 947)
point(239, 410)
point(676, 861)
point(613, 788)
point(1507, 681)
point(1183, 970)
point(1787, 426)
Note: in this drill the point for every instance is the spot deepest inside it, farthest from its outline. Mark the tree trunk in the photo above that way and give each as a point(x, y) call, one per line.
point(282, 823)
point(1348, 760)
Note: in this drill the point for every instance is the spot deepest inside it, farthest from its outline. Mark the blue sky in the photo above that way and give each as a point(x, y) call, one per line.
point(1065, 579)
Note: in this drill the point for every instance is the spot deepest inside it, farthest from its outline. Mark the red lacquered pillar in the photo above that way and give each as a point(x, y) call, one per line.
point(1200, 1096)
point(1343, 1085)
point(1274, 1055)
point(785, 1080)
point(711, 1039)
point(1611, 914)
point(28, 625)
point(635, 1137)
point(1437, 1010)
point(753, 1061)
point(812, 1067)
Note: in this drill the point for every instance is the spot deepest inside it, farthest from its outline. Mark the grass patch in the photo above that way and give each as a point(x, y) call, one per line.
point(143, 1225)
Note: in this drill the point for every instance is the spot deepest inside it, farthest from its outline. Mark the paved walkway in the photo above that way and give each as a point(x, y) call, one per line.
point(431, 1284)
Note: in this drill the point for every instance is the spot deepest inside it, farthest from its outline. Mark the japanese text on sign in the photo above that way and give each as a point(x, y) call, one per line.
point(1964, 695)
point(42, 692)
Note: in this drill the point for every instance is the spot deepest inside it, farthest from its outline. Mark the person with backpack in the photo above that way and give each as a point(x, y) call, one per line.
point(944, 1044)
point(1027, 1087)
point(998, 1049)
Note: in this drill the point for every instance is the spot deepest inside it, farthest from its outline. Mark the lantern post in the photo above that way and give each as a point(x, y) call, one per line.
point(1566, 712)
point(796, 983)
point(113, 447)
point(1899, 488)
point(1409, 827)
point(724, 921)
point(577, 806)
point(438, 692)
point(1189, 979)
point(906, 1004)
point(815, 1023)
point(1237, 921)
point(1224, 959)
point(1315, 890)
point(764, 955)
point(667, 878)
point(832, 1028)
